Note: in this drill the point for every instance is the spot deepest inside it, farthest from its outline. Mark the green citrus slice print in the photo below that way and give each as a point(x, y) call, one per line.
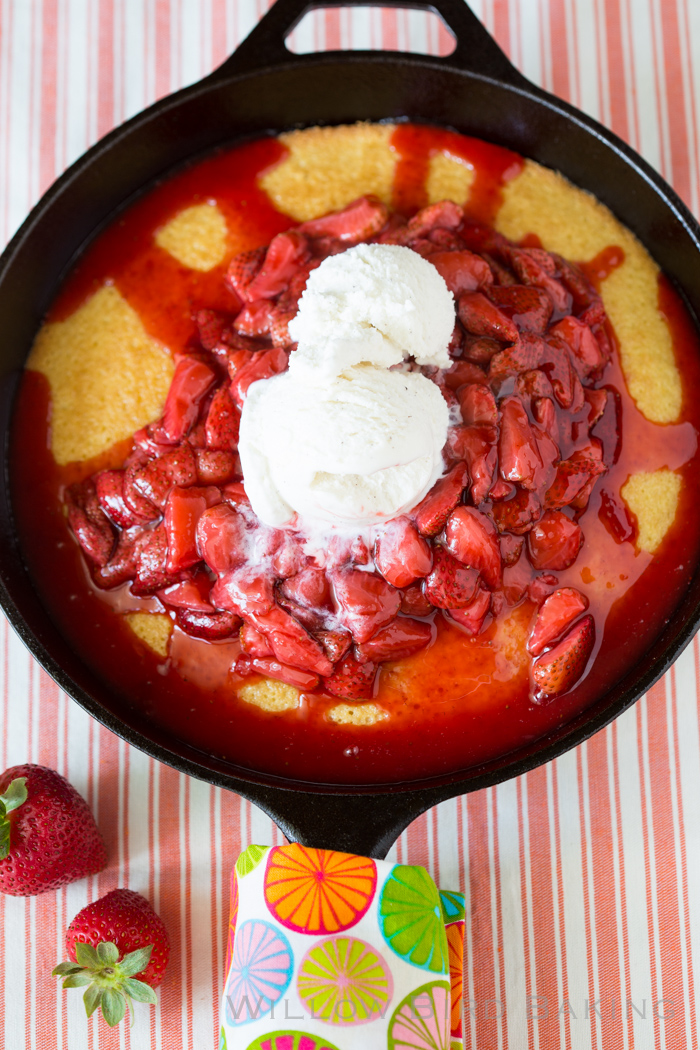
point(410, 916)
point(289, 1040)
point(422, 1020)
point(344, 981)
point(249, 859)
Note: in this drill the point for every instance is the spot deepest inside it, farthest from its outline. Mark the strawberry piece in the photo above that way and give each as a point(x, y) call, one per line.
point(352, 678)
point(556, 363)
point(335, 644)
point(242, 271)
point(191, 381)
point(583, 293)
point(608, 429)
point(211, 326)
point(89, 523)
point(286, 253)
point(616, 518)
point(222, 538)
point(449, 584)
point(523, 356)
point(554, 616)
point(597, 400)
point(401, 638)
point(443, 215)
point(462, 271)
point(571, 477)
point(516, 580)
point(501, 490)
point(446, 239)
point(535, 267)
point(462, 372)
point(366, 602)
point(255, 319)
point(235, 494)
point(510, 547)
point(246, 591)
point(433, 511)
point(471, 617)
point(414, 602)
point(557, 671)
point(309, 588)
point(517, 515)
point(253, 642)
point(291, 643)
point(581, 343)
point(541, 586)
point(344, 550)
point(123, 564)
point(223, 421)
point(401, 554)
point(480, 349)
point(477, 446)
point(548, 451)
point(190, 594)
point(358, 221)
point(214, 626)
point(533, 384)
point(478, 405)
point(482, 238)
point(215, 467)
point(472, 538)
point(529, 308)
point(152, 573)
point(279, 325)
point(263, 365)
point(554, 542)
point(480, 316)
point(155, 480)
point(272, 668)
point(518, 452)
point(109, 485)
point(545, 413)
point(48, 836)
point(120, 949)
point(182, 513)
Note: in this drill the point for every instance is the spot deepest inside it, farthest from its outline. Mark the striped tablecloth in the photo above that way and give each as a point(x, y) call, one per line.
point(583, 877)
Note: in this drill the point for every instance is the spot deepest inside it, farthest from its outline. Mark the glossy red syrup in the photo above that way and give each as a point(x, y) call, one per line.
point(433, 729)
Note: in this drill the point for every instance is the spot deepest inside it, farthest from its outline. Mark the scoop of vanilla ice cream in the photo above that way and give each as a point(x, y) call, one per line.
point(351, 450)
point(376, 304)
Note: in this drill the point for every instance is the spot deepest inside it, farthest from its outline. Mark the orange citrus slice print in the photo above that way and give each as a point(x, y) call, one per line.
point(318, 891)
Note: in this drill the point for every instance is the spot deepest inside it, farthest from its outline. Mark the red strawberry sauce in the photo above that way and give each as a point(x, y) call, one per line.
point(438, 725)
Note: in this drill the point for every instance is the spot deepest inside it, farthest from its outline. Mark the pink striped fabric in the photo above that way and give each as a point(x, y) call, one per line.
point(582, 878)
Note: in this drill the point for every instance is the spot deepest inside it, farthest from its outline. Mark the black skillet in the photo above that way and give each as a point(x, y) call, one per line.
point(264, 88)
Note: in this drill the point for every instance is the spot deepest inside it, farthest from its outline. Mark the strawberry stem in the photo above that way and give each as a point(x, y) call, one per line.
point(111, 982)
point(15, 795)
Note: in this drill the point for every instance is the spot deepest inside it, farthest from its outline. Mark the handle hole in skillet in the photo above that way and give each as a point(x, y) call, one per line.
point(371, 29)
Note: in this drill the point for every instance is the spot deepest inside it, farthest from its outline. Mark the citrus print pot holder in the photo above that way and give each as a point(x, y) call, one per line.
point(331, 951)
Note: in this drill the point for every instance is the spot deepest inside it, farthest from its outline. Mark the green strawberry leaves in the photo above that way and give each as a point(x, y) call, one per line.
point(111, 983)
point(15, 795)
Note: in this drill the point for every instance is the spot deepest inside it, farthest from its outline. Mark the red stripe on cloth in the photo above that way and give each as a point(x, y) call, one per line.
point(390, 31)
point(626, 977)
point(105, 86)
point(171, 872)
point(676, 109)
point(617, 72)
point(484, 966)
point(331, 20)
point(563, 71)
point(416, 841)
point(525, 907)
point(162, 49)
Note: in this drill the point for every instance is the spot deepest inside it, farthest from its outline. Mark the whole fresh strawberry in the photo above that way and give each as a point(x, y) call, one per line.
point(110, 942)
point(48, 836)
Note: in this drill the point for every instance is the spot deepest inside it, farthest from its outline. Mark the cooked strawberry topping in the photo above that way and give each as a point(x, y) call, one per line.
point(533, 431)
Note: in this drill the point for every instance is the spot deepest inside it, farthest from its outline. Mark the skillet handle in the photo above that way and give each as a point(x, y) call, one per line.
point(476, 50)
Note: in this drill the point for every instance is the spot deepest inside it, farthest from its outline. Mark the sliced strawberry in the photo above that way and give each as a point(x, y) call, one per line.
point(183, 510)
point(152, 572)
point(541, 586)
point(529, 308)
point(462, 271)
point(608, 429)
point(310, 588)
point(255, 319)
point(556, 362)
point(246, 591)
point(414, 602)
point(454, 347)
point(519, 457)
point(345, 550)
point(211, 325)
point(558, 670)
point(501, 490)
point(510, 547)
point(516, 580)
point(479, 349)
point(554, 542)
point(263, 365)
point(279, 325)
point(471, 617)
point(447, 240)
point(352, 678)
point(290, 642)
point(222, 539)
point(554, 616)
point(215, 467)
point(449, 584)
point(442, 215)
point(597, 400)
point(289, 558)
point(242, 271)
point(401, 554)
point(535, 267)
point(357, 221)
point(401, 638)
point(574, 280)
point(286, 253)
point(433, 511)
point(192, 594)
point(616, 518)
point(214, 626)
point(366, 602)
point(545, 413)
point(477, 446)
point(235, 494)
point(533, 384)
point(482, 238)
point(549, 454)
point(124, 561)
point(110, 492)
point(478, 405)
point(517, 515)
point(472, 538)
point(572, 475)
point(480, 316)
point(253, 642)
point(222, 422)
point(89, 523)
point(155, 480)
point(462, 372)
point(335, 644)
point(191, 381)
point(523, 356)
point(581, 343)
point(271, 668)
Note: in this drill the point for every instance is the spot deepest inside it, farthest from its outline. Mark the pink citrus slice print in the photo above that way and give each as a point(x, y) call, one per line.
point(422, 1020)
point(290, 1041)
point(344, 981)
point(260, 972)
point(318, 891)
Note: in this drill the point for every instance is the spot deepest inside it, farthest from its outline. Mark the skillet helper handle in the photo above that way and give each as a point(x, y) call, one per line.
point(476, 50)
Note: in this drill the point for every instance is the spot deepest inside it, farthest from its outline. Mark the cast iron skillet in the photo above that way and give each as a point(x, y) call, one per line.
point(263, 88)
